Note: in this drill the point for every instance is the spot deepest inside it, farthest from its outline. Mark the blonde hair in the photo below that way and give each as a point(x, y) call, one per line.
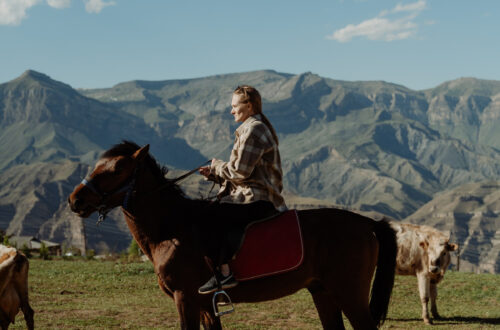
point(252, 95)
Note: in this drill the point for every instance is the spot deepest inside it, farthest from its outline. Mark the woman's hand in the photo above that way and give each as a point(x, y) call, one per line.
point(205, 171)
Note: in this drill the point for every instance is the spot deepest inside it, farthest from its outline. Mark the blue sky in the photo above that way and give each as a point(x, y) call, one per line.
point(99, 43)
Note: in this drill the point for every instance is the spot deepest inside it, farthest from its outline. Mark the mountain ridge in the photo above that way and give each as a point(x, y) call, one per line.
point(372, 146)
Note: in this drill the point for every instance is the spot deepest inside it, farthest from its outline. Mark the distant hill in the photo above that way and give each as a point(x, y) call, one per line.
point(33, 202)
point(45, 120)
point(372, 146)
point(471, 213)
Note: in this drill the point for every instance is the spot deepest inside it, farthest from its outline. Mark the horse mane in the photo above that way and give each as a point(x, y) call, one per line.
point(128, 148)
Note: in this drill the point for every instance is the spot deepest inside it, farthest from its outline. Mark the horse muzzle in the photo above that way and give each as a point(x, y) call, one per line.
point(80, 207)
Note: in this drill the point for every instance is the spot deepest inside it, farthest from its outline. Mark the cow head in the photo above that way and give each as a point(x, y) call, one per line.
point(438, 251)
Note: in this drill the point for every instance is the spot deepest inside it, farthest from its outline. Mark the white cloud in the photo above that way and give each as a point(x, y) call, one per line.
point(59, 4)
point(383, 28)
point(12, 12)
point(95, 6)
point(416, 6)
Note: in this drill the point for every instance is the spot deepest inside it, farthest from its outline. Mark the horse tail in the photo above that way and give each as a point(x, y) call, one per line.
point(386, 267)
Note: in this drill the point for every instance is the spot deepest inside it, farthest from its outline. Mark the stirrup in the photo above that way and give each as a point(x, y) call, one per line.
point(226, 301)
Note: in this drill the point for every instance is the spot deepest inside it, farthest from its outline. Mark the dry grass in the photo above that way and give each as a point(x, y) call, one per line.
point(103, 295)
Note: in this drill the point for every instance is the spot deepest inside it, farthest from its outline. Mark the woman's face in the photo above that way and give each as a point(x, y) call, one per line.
point(240, 110)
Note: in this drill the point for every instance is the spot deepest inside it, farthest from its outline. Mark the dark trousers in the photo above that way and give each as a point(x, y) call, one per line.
point(227, 231)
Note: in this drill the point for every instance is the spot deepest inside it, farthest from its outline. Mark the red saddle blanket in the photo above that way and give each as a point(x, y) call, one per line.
point(270, 247)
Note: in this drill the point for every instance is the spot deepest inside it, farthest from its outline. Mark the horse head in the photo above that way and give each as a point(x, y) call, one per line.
point(111, 181)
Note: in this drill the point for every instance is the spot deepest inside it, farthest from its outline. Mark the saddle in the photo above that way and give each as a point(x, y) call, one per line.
point(269, 247)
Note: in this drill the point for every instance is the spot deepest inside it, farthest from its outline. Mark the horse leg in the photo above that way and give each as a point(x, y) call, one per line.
point(329, 313)
point(354, 303)
point(352, 293)
point(4, 320)
point(209, 321)
point(164, 288)
point(359, 316)
point(188, 309)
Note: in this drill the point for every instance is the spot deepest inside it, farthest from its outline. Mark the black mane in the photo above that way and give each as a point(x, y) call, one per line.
point(128, 148)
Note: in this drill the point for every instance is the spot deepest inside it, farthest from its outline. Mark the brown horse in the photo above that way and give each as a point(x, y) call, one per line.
point(342, 249)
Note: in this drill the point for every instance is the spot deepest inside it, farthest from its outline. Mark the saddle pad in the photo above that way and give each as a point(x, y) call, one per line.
point(270, 247)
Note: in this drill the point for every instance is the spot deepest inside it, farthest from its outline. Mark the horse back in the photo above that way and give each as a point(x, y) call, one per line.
point(339, 237)
point(334, 222)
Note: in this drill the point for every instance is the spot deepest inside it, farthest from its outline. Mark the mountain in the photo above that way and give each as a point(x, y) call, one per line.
point(45, 120)
point(33, 202)
point(471, 213)
point(467, 109)
point(372, 146)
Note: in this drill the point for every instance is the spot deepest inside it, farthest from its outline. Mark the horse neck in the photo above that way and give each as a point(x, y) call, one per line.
point(156, 215)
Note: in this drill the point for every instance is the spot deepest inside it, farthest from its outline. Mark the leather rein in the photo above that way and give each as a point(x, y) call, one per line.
point(128, 187)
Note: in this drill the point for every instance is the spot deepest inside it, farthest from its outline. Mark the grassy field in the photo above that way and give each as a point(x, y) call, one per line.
point(105, 294)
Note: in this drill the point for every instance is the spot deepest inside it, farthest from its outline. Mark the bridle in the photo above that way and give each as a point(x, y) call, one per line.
point(102, 207)
point(128, 187)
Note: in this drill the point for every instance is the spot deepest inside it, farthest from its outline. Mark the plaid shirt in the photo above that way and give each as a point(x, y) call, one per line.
point(254, 169)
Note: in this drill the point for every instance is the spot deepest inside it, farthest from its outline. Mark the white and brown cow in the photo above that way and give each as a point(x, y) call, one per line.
point(424, 252)
point(14, 287)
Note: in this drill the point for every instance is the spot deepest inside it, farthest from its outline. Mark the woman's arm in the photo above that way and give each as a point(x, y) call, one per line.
point(252, 146)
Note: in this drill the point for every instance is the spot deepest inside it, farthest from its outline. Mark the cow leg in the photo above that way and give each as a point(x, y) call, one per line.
point(21, 285)
point(434, 310)
point(188, 309)
point(209, 321)
point(424, 289)
point(329, 313)
point(22, 291)
point(28, 315)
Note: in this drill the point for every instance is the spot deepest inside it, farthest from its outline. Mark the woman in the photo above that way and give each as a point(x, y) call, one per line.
point(253, 172)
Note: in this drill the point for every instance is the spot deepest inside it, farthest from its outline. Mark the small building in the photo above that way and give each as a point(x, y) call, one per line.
point(34, 244)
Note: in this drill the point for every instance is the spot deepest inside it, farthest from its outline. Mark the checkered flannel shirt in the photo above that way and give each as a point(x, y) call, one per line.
point(254, 168)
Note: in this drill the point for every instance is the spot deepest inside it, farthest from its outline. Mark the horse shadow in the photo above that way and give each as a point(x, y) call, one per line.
point(456, 320)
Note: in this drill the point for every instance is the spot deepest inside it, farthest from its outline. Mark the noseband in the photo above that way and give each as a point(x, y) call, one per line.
point(103, 209)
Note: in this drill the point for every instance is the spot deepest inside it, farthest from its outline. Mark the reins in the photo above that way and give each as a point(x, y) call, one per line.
point(178, 179)
point(128, 186)
point(182, 177)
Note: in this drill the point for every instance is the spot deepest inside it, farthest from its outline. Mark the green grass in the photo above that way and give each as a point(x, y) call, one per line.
point(102, 295)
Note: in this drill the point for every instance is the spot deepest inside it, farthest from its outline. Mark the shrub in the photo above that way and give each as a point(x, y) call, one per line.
point(44, 252)
point(26, 251)
point(134, 250)
point(90, 254)
point(6, 241)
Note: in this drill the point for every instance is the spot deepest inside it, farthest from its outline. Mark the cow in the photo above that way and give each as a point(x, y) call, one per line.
point(425, 253)
point(14, 287)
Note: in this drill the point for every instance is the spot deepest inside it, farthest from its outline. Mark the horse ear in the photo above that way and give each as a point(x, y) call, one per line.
point(140, 154)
